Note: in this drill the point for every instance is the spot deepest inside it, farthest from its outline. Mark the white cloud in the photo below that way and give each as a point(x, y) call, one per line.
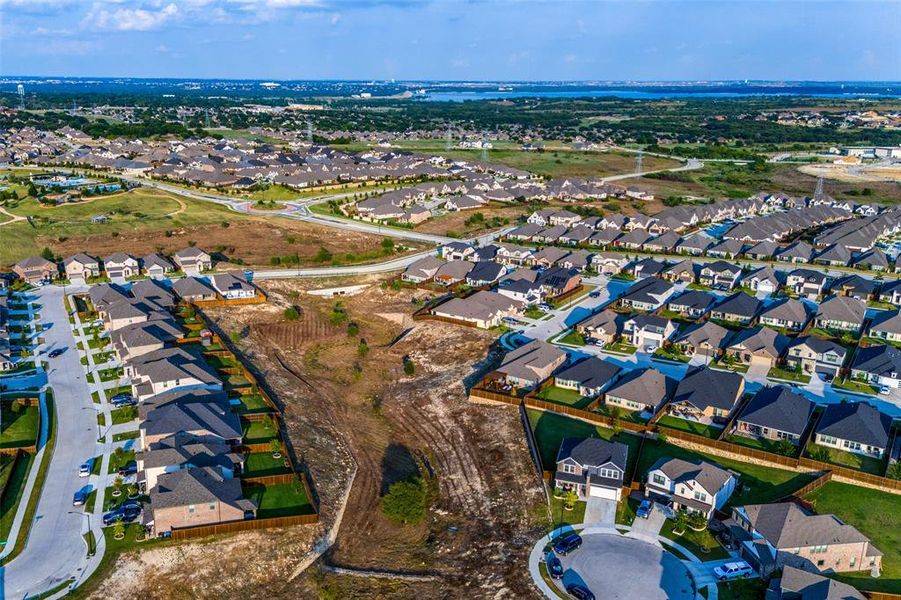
point(129, 19)
point(336, 18)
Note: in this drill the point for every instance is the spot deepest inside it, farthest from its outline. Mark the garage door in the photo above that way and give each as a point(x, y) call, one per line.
point(760, 360)
point(602, 492)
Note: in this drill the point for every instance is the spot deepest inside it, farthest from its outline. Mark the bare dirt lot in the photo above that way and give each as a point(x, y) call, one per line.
point(349, 411)
point(254, 241)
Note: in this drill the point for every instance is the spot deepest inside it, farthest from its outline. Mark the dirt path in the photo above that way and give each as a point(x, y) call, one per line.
point(13, 218)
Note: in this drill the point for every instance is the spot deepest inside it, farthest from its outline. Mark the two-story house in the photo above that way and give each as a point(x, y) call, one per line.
point(648, 332)
point(841, 313)
point(592, 467)
point(699, 487)
point(720, 275)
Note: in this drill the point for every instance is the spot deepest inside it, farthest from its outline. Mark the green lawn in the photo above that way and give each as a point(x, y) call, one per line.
point(690, 426)
point(118, 460)
point(15, 486)
point(256, 432)
point(851, 460)
point(128, 435)
point(877, 516)
point(694, 541)
point(671, 353)
point(858, 387)
point(560, 516)
point(280, 500)
point(258, 464)
point(253, 403)
point(559, 395)
point(533, 312)
point(550, 429)
point(760, 484)
point(620, 348)
point(19, 425)
point(125, 414)
point(777, 373)
point(760, 444)
point(573, 338)
point(741, 589)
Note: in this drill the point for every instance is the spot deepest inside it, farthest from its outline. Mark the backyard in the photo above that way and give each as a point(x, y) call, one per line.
point(279, 500)
point(19, 425)
point(694, 427)
point(877, 516)
point(260, 464)
point(256, 432)
point(559, 395)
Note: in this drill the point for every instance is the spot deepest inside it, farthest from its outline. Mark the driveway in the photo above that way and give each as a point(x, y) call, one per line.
point(648, 529)
point(600, 511)
point(616, 567)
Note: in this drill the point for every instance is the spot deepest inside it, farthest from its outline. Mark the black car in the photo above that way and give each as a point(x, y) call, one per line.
point(577, 590)
point(127, 515)
point(568, 544)
point(129, 469)
point(122, 400)
point(554, 567)
point(55, 353)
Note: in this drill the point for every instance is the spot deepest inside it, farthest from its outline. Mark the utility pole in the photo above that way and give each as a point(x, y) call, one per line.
point(638, 159)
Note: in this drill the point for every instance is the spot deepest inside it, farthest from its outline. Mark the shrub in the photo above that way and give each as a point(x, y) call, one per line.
point(291, 313)
point(405, 501)
point(409, 367)
point(353, 329)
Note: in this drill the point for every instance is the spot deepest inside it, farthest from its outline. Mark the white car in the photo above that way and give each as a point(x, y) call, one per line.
point(885, 390)
point(733, 570)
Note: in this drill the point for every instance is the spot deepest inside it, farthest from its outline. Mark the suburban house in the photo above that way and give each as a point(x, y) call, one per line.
point(738, 308)
point(193, 289)
point(457, 251)
point(695, 244)
point(644, 390)
point(529, 365)
point(142, 338)
point(557, 281)
point(168, 369)
point(647, 295)
point(841, 313)
point(36, 269)
point(763, 280)
point(589, 377)
point(775, 413)
point(707, 339)
point(855, 427)
point(203, 414)
point(156, 265)
point(184, 451)
point(548, 257)
point(855, 286)
point(483, 309)
point(807, 282)
point(591, 467)
point(149, 290)
point(890, 292)
point(232, 287)
point(691, 303)
point(197, 496)
point(604, 326)
point(608, 263)
point(758, 346)
point(484, 273)
point(453, 272)
point(811, 354)
point(522, 290)
point(681, 271)
point(422, 269)
point(699, 487)
point(648, 332)
point(720, 275)
point(80, 267)
point(797, 584)
point(798, 252)
point(648, 267)
point(120, 265)
point(782, 534)
point(886, 326)
point(193, 260)
point(706, 395)
point(788, 314)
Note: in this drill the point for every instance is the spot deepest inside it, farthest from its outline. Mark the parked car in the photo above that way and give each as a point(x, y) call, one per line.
point(568, 543)
point(55, 353)
point(123, 399)
point(129, 468)
point(644, 509)
point(885, 390)
point(127, 515)
point(577, 590)
point(85, 469)
point(733, 570)
point(546, 307)
point(79, 498)
point(594, 294)
point(554, 567)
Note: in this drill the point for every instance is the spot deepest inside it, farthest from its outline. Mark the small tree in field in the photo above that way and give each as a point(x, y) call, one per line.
point(570, 497)
point(405, 501)
point(409, 367)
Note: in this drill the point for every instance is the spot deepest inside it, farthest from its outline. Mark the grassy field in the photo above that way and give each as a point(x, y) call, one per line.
point(19, 426)
point(559, 395)
point(259, 464)
point(556, 161)
point(279, 500)
point(690, 426)
point(877, 516)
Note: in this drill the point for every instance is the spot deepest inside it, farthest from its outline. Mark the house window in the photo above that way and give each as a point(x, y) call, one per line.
point(212, 506)
point(852, 562)
point(569, 468)
point(827, 439)
point(852, 445)
point(191, 509)
point(821, 562)
point(701, 496)
point(659, 479)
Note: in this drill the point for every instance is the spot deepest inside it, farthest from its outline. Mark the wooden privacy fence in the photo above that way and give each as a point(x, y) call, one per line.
point(714, 446)
point(881, 595)
point(184, 533)
point(271, 479)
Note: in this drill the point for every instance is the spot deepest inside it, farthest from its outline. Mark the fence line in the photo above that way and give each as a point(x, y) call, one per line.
point(183, 533)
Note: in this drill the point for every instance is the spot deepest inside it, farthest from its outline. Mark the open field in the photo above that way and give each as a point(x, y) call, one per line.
point(555, 161)
point(876, 515)
point(144, 221)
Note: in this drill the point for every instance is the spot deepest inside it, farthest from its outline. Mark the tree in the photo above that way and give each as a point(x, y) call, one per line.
point(47, 254)
point(362, 348)
point(275, 446)
point(661, 437)
point(323, 255)
point(291, 313)
point(406, 501)
point(680, 522)
point(409, 367)
point(119, 529)
point(570, 497)
point(785, 447)
point(697, 521)
point(353, 329)
point(388, 245)
point(894, 470)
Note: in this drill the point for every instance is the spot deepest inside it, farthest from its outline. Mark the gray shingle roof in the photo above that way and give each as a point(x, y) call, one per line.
point(593, 452)
point(787, 525)
point(778, 408)
point(856, 421)
point(704, 387)
point(591, 372)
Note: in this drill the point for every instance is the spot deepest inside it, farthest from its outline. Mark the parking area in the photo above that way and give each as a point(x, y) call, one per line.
point(615, 567)
point(600, 511)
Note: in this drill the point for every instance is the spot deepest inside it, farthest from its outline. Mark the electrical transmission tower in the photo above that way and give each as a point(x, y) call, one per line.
point(638, 159)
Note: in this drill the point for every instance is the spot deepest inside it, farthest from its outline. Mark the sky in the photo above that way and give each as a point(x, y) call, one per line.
point(622, 40)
